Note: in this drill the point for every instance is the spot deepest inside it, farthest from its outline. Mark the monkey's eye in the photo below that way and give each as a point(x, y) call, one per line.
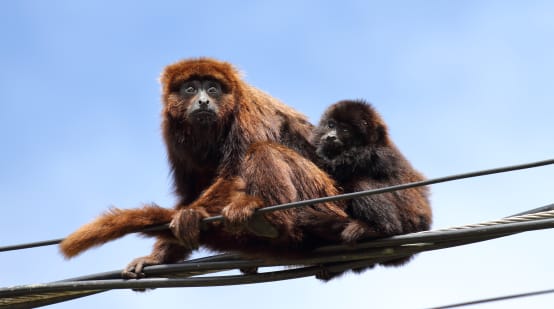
point(189, 88)
point(213, 88)
point(331, 125)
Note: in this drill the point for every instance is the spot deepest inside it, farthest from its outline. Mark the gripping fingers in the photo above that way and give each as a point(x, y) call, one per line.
point(134, 270)
point(186, 227)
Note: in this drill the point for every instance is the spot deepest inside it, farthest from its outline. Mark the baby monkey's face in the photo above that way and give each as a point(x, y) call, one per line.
point(333, 137)
point(347, 127)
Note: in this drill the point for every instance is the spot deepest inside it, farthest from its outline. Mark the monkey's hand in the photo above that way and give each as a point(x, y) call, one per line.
point(186, 225)
point(239, 216)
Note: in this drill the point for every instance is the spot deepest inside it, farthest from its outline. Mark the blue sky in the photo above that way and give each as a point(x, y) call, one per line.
point(463, 86)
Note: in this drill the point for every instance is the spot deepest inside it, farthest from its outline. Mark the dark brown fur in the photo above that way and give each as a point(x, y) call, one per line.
point(257, 153)
point(354, 147)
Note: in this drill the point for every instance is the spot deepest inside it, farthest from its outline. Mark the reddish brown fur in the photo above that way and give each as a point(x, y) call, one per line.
point(256, 154)
point(113, 224)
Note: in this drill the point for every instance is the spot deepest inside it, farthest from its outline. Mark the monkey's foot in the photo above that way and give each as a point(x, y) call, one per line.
point(186, 226)
point(134, 270)
point(356, 230)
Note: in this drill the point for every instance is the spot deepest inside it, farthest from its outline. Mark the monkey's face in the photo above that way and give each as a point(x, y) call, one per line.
point(332, 138)
point(346, 125)
point(202, 97)
point(197, 101)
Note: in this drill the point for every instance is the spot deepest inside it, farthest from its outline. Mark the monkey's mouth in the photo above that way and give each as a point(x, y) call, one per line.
point(203, 116)
point(330, 149)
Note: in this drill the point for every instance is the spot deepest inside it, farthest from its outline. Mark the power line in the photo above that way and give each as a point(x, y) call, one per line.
point(55, 292)
point(31, 245)
point(344, 196)
point(397, 187)
point(330, 258)
point(494, 299)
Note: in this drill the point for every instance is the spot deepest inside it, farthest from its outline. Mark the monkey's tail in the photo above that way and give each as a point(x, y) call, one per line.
point(113, 224)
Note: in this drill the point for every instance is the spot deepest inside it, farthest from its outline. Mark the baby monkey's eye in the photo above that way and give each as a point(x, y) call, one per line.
point(331, 125)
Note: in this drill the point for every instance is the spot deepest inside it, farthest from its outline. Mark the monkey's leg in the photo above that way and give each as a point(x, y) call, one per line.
point(223, 194)
point(276, 175)
point(239, 212)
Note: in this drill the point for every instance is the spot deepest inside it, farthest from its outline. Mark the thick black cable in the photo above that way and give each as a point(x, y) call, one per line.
point(377, 248)
point(325, 254)
point(410, 185)
point(448, 235)
point(166, 269)
point(34, 300)
point(330, 198)
point(380, 255)
point(41, 295)
point(31, 245)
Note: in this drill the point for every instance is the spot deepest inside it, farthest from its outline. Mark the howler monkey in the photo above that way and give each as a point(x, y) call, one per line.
point(354, 147)
point(232, 149)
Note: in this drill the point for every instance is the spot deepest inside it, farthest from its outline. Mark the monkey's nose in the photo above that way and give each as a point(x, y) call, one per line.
point(331, 138)
point(203, 103)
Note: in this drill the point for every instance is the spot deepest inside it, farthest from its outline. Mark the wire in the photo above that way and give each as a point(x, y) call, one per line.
point(497, 227)
point(34, 300)
point(493, 299)
point(330, 198)
point(397, 187)
point(54, 292)
point(331, 259)
point(31, 245)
